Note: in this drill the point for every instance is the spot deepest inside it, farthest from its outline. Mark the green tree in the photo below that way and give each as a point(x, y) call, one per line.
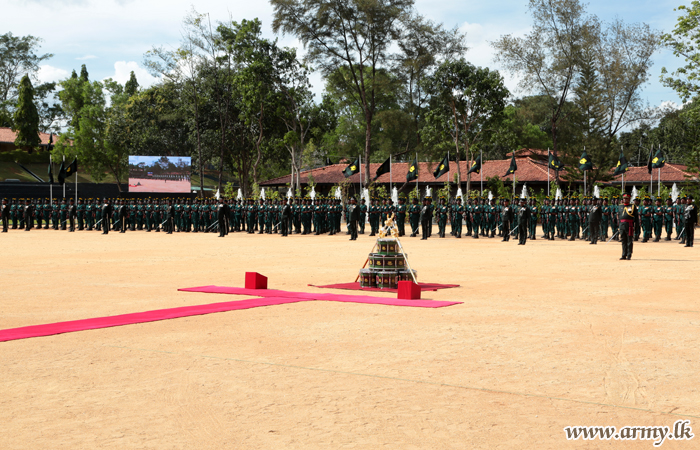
point(26, 117)
point(93, 135)
point(132, 86)
point(18, 56)
point(356, 35)
point(181, 67)
point(684, 42)
point(424, 45)
point(547, 58)
point(467, 102)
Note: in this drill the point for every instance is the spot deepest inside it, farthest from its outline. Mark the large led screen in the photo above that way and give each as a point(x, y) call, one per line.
point(160, 174)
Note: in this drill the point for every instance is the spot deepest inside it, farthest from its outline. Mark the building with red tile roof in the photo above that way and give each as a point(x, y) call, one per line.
point(7, 139)
point(532, 170)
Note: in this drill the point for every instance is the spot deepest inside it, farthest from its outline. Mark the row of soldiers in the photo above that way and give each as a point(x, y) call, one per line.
point(565, 218)
point(199, 215)
point(568, 218)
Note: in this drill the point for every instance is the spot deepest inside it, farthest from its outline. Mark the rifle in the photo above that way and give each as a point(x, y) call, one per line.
point(613, 236)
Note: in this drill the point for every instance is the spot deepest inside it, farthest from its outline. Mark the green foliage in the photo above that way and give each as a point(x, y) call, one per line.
point(378, 190)
point(684, 41)
point(18, 58)
point(413, 193)
point(444, 191)
point(229, 190)
point(467, 103)
point(98, 135)
point(272, 194)
point(496, 186)
point(362, 49)
point(26, 117)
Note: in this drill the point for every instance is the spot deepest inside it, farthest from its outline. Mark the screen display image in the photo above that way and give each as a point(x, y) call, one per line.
point(160, 174)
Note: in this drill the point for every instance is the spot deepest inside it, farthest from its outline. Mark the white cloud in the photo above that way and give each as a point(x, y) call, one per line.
point(123, 69)
point(49, 73)
point(670, 105)
point(86, 57)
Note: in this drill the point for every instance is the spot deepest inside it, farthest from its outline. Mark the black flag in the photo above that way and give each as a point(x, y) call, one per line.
point(442, 168)
point(513, 166)
point(62, 173)
point(651, 156)
point(622, 165)
point(554, 162)
point(50, 173)
point(73, 168)
point(659, 161)
point(384, 168)
point(585, 163)
point(352, 169)
point(412, 171)
point(476, 166)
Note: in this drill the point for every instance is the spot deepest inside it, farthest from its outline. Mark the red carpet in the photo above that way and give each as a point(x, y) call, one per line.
point(356, 287)
point(320, 296)
point(141, 317)
point(269, 297)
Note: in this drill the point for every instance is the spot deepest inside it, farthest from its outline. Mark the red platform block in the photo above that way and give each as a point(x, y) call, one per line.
point(253, 280)
point(408, 290)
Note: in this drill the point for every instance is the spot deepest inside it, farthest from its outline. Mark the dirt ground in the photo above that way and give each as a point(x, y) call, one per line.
point(146, 185)
point(552, 334)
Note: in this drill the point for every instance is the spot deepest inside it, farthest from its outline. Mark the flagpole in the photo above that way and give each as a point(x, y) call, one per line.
point(448, 177)
point(481, 171)
point(417, 190)
point(548, 156)
point(76, 184)
point(51, 182)
point(64, 181)
point(585, 172)
point(651, 175)
point(391, 182)
point(361, 180)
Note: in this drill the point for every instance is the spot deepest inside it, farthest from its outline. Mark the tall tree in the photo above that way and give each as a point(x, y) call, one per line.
point(132, 85)
point(466, 102)
point(547, 59)
point(93, 134)
point(355, 34)
point(424, 45)
point(181, 67)
point(26, 117)
point(18, 56)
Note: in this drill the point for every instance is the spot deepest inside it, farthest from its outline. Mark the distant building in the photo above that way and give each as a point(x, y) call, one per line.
point(532, 170)
point(7, 140)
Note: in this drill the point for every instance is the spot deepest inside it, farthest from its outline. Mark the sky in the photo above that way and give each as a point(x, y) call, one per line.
point(150, 160)
point(111, 36)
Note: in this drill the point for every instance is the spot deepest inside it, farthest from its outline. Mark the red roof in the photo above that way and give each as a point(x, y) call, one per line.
point(670, 173)
point(529, 170)
point(7, 136)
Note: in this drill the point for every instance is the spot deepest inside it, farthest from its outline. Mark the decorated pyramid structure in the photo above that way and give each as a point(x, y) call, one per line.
point(388, 264)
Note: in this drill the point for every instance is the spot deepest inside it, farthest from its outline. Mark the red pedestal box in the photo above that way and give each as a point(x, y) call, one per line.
point(408, 290)
point(253, 280)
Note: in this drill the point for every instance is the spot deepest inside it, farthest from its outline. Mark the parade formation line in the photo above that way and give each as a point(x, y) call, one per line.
point(268, 297)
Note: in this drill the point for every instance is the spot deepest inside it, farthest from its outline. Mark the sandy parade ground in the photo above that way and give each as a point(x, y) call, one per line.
point(549, 335)
point(148, 185)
